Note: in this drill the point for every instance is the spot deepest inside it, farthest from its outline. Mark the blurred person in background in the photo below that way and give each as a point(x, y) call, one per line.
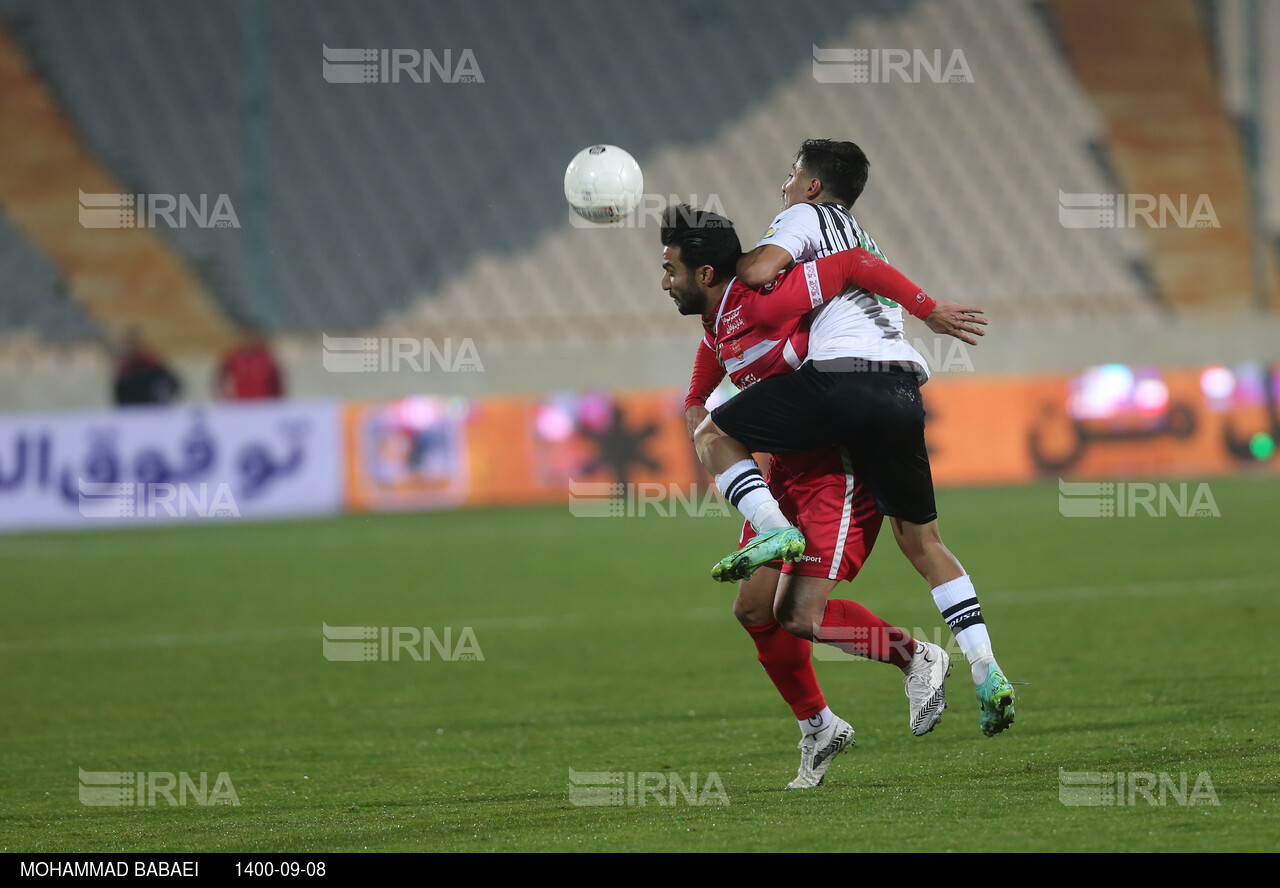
point(141, 376)
point(249, 371)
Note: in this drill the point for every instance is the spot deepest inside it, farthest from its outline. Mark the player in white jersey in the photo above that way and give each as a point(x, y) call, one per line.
point(858, 324)
point(859, 387)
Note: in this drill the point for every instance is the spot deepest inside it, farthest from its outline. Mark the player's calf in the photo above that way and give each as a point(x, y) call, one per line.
point(738, 477)
point(753, 605)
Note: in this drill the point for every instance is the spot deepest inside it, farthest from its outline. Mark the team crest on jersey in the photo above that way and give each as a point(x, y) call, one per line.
point(732, 321)
point(730, 351)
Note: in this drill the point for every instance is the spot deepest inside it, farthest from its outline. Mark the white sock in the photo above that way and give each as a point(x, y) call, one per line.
point(817, 723)
point(746, 490)
point(958, 603)
point(976, 644)
point(768, 516)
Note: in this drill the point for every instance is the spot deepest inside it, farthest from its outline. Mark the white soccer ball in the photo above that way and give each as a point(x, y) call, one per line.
point(603, 183)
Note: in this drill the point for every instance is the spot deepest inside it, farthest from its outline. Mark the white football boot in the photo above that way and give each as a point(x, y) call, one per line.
point(817, 752)
point(925, 685)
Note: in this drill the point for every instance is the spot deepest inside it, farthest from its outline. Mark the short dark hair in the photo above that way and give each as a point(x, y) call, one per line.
point(704, 238)
point(842, 167)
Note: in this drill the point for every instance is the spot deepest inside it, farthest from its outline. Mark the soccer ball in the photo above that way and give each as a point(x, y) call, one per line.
point(603, 183)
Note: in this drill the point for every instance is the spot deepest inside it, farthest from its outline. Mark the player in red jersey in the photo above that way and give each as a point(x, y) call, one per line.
point(756, 336)
point(858, 387)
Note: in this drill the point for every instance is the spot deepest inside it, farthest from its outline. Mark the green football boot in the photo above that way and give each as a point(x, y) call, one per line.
point(785, 543)
point(995, 702)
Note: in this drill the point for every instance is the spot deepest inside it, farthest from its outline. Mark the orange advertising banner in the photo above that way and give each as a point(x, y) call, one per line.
point(425, 452)
point(1112, 422)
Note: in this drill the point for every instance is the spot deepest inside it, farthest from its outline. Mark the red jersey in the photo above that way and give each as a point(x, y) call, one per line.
point(249, 373)
point(755, 334)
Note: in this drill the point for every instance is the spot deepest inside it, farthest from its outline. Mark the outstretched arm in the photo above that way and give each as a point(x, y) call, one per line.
point(860, 268)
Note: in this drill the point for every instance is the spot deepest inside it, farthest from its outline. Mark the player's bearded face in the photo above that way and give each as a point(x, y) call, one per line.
point(678, 280)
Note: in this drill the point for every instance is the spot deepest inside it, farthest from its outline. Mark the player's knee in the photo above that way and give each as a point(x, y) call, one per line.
point(749, 615)
point(794, 621)
point(917, 541)
point(706, 434)
point(800, 626)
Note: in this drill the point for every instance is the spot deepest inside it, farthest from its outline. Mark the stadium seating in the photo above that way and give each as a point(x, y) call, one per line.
point(438, 205)
point(1236, 34)
point(963, 190)
point(35, 300)
point(67, 206)
point(1170, 136)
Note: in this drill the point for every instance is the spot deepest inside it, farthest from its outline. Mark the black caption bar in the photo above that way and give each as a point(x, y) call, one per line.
point(260, 868)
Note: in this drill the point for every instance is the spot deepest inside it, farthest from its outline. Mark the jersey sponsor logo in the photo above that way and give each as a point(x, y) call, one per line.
point(733, 321)
point(815, 289)
point(814, 558)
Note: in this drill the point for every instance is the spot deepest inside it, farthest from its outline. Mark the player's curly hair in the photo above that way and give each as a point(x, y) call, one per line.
point(841, 167)
point(704, 238)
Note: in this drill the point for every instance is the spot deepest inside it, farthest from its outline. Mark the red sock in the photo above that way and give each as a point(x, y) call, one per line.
point(853, 629)
point(786, 659)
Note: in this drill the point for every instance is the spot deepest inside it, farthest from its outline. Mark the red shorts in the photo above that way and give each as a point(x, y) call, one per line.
point(837, 514)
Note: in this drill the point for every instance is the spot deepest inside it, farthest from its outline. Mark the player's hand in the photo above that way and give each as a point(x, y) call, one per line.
point(953, 319)
point(693, 417)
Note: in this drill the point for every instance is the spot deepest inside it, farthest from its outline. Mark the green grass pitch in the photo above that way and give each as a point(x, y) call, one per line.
point(1150, 645)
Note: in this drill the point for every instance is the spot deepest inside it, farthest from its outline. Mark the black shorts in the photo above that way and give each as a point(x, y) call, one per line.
point(877, 414)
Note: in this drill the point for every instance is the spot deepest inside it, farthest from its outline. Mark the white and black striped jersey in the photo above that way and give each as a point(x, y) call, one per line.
point(858, 324)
